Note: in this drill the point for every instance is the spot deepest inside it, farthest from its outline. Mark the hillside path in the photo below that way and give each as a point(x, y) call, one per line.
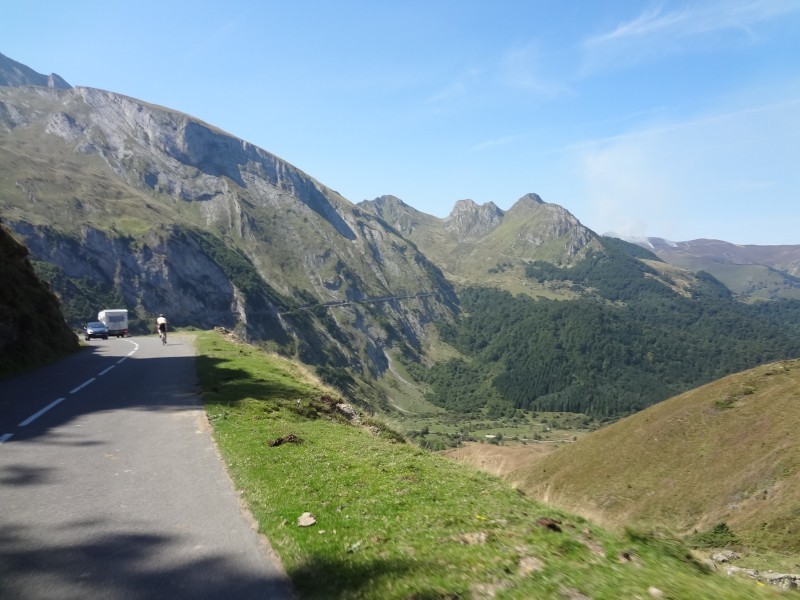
point(116, 490)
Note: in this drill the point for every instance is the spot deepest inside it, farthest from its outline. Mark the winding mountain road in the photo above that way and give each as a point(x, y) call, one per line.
point(111, 486)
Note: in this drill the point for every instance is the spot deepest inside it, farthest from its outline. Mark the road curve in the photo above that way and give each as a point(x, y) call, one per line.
point(111, 486)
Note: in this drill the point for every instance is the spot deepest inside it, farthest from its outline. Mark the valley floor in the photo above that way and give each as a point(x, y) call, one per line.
point(499, 460)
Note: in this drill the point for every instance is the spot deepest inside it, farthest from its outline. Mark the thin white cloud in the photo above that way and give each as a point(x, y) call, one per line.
point(692, 175)
point(698, 19)
point(499, 142)
point(459, 88)
point(651, 22)
point(674, 127)
point(661, 29)
point(523, 68)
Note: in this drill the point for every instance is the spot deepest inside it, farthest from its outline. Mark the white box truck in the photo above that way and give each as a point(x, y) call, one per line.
point(115, 320)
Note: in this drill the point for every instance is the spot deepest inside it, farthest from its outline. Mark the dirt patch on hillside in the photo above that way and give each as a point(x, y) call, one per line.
point(499, 460)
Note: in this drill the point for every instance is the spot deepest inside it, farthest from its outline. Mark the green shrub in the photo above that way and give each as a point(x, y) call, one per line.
point(719, 536)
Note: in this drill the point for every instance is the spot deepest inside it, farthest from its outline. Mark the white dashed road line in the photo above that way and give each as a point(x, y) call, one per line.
point(83, 385)
point(7, 436)
point(35, 416)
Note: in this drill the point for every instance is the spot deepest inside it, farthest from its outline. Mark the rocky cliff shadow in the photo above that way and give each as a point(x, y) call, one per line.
point(76, 562)
point(239, 385)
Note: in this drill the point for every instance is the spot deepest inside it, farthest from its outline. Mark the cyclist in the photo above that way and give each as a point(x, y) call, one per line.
point(161, 324)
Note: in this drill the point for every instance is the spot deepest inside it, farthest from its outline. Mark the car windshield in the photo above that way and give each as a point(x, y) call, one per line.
point(96, 325)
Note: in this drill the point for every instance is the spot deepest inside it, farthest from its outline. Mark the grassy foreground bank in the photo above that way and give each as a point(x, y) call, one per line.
point(394, 521)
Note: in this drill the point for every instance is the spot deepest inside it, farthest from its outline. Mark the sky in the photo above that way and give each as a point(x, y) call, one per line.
point(676, 119)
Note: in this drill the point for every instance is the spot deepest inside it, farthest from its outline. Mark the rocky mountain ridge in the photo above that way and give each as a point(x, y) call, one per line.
point(15, 74)
point(479, 243)
point(158, 211)
point(165, 213)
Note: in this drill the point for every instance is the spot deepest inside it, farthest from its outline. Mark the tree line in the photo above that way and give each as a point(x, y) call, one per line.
point(630, 340)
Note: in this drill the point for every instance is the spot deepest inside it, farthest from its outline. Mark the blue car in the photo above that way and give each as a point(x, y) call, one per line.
point(97, 330)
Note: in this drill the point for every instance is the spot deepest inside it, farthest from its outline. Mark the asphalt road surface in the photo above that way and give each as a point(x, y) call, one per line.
point(111, 487)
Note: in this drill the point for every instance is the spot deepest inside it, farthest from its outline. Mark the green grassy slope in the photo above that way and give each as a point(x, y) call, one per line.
point(393, 521)
point(725, 452)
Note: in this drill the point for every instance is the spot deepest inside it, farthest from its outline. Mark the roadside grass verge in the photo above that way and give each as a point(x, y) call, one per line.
point(394, 521)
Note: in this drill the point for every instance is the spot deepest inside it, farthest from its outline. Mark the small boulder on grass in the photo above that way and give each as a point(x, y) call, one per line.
point(306, 520)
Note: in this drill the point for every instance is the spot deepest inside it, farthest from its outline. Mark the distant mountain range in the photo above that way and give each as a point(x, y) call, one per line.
point(750, 271)
point(127, 204)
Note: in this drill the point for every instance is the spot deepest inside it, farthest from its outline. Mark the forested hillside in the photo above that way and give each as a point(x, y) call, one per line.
point(631, 340)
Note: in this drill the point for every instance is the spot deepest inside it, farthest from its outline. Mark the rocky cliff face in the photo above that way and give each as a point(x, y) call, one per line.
point(470, 221)
point(169, 214)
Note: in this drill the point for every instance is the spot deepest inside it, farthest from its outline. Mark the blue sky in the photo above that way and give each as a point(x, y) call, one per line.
point(674, 119)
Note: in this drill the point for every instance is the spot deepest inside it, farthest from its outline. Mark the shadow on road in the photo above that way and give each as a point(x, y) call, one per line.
point(102, 498)
point(24, 475)
point(154, 383)
point(131, 565)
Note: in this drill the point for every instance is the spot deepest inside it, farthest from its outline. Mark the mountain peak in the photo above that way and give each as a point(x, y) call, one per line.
point(528, 200)
point(467, 205)
point(470, 220)
point(387, 201)
point(14, 74)
point(395, 212)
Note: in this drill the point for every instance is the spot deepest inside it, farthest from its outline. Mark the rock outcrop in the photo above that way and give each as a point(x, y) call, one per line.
point(32, 328)
point(469, 221)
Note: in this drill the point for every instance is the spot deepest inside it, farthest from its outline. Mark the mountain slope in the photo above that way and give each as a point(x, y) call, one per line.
point(393, 522)
point(483, 245)
point(725, 452)
point(117, 198)
point(128, 204)
point(635, 334)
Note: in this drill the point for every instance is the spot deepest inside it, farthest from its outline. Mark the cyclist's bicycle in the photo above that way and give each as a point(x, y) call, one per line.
point(162, 333)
